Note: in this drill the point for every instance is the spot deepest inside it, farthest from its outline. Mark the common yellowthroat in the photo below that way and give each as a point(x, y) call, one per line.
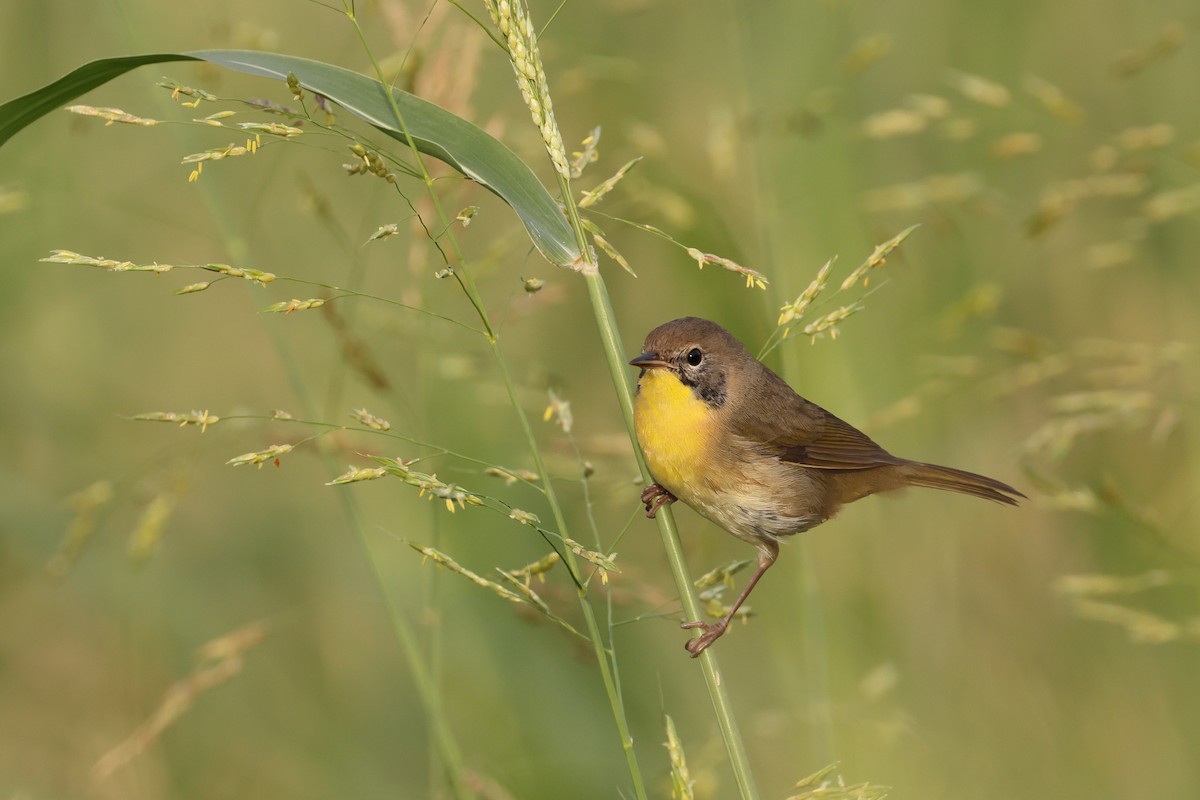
point(727, 436)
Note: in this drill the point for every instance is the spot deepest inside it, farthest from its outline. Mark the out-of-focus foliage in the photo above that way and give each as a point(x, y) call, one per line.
point(171, 626)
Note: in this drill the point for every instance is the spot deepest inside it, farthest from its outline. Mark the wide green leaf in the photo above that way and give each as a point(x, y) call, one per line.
point(434, 130)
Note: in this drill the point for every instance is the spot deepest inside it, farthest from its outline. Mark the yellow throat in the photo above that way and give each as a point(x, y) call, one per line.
point(675, 429)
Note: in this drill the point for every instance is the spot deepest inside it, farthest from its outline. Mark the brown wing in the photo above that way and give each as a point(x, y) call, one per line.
point(795, 430)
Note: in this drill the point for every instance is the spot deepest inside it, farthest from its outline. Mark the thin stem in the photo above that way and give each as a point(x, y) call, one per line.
point(589, 616)
point(615, 355)
point(468, 285)
point(238, 249)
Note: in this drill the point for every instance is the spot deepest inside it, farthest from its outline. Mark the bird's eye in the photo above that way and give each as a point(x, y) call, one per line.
point(694, 356)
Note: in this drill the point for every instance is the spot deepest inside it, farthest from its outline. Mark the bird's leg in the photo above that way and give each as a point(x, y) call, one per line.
point(768, 552)
point(654, 497)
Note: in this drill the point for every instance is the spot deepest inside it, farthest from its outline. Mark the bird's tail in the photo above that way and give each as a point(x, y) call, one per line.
point(957, 480)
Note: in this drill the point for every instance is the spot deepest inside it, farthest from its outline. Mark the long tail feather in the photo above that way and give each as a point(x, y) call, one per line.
point(957, 480)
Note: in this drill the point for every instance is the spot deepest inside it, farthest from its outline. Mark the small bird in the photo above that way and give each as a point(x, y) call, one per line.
point(729, 437)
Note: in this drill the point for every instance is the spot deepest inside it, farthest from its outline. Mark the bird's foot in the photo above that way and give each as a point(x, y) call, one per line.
point(712, 632)
point(654, 497)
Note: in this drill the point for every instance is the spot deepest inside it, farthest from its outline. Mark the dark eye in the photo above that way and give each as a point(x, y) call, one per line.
point(694, 356)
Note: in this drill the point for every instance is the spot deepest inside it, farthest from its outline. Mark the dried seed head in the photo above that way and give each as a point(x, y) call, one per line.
point(200, 418)
point(370, 420)
point(594, 196)
point(384, 231)
point(355, 474)
point(288, 306)
point(511, 18)
point(111, 115)
point(796, 308)
point(272, 453)
point(754, 278)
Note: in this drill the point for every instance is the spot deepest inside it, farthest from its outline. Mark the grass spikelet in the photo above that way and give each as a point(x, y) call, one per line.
point(795, 309)
point(754, 278)
point(591, 198)
point(112, 115)
point(580, 159)
point(192, 288)
point(446, 562)
point(288, 306)
point(877, 259)
point(368, 163)
point(511, 18)
point(525, 590)
point(70, 257)
point(200, 418)
point(356, 474)
point(271, 129)
point(216, 119)
point(370, 420)
point(822, 786)
point(230, 150)
point(246, 273)
point(612, 253)
point(681, 779)
point(538, 568)
point(260, 457)
point(721, 576)
point(383, 232)
point(511, 476)
point(179, 90)
point(429, 484)
point(827, 325)
point(605, 563)
point(524, 517)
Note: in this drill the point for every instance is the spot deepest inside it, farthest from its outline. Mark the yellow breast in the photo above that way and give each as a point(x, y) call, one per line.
point(676, 431)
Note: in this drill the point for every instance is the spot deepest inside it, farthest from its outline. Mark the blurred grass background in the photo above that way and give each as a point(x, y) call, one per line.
point(1039, 327)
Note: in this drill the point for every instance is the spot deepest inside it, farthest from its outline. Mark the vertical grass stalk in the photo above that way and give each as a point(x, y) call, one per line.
point(468, 285)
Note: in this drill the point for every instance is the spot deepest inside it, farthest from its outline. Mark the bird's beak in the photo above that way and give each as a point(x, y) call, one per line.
point(648, 360)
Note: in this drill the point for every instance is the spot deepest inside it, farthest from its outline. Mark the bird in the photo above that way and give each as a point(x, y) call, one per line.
point(731, 439)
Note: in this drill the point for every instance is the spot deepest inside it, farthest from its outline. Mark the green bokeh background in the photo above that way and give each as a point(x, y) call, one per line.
point(918, 640)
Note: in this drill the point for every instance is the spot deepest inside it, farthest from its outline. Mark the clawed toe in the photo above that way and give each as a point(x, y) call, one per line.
point(654, 497)
point(712, 632)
